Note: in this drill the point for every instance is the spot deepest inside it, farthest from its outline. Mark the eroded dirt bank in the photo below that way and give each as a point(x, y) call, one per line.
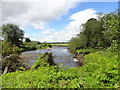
point(80, 57)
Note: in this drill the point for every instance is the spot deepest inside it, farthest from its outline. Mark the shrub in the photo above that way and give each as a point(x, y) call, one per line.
point(114, 46)
point(8, 48)
point(44, 59)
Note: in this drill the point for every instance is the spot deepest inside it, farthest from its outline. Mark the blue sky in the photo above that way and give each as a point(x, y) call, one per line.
point(104, 7)
point(56, 21)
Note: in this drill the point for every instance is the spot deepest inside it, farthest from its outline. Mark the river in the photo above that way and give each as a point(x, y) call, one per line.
point(61, 56)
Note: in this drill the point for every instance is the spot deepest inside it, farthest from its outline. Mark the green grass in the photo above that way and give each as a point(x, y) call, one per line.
point(100, 70)
point(90, 50)
point(59, 44)
point(85, 50)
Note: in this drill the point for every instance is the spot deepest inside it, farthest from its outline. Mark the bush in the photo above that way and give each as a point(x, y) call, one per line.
point(114, 46)
point(103, 68)
point(74, 44)
point(44, 59)
point(43, 46)
point(8, 48)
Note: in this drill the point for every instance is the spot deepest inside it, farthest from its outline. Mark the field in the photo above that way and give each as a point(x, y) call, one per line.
point(59, 44)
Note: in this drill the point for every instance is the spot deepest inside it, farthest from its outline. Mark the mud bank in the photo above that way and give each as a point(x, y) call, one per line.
point(80, 57)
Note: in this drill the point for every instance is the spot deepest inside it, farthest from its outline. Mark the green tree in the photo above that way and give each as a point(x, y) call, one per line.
point(83, 40)
point(12, 33)
point(8, 48)
point(111, 27)
point(93, 31)
point(74, 44)
point(27, 40)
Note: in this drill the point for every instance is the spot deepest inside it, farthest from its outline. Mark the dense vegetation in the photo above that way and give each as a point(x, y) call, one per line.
point(101, 33)
point(13, 45)
point(13, 41)
point(100, 66)
point(100, 38)
point(12, 33)
point(100, 70)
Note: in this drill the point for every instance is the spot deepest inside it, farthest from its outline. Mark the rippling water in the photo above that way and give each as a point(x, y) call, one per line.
point(61, 56)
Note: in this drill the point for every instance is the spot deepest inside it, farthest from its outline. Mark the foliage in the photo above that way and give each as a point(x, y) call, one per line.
point(33, 45)
point(103, 67)
point(85, 50)
point(92, 29)
point(44, 45)
point(8, 48)
point(74, 44)
point(12, 33)
point(30, 45)
point(111, 26)
point(27, 40)
point(114, 46)
point(100, 70)
point(42, 60)
point(97, 33)
point(89, 37)
point(12, 63)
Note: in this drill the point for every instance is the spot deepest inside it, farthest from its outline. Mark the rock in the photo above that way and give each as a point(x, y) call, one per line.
point(80, 58)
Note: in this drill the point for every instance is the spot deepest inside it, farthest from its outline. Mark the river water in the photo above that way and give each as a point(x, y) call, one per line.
point(62, 56)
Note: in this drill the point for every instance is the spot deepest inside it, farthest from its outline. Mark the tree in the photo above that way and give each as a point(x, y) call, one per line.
point(83, 40)
point(74, 44)
point(27, 40)
point(93, 31)
point(111, 27)
point(12, 33)
point(8, 48)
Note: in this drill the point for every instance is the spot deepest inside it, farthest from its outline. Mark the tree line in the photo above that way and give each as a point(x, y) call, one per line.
point(97, 33)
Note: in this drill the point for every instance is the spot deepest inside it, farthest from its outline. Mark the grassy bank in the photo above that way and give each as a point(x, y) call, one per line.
point(65, 45)
point(8, 48)
point(100, 70)
point(33, 45)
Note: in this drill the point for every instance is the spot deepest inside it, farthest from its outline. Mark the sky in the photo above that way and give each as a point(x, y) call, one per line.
point(53, 20)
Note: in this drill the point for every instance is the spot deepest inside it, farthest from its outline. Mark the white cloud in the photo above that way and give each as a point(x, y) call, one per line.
point(68, 0)
point(37, 13)
point(72, 28)
point(79, 18)
point(47, 31)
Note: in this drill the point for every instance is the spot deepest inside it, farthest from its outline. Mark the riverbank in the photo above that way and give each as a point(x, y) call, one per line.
point(81, 53)
point(100, 70)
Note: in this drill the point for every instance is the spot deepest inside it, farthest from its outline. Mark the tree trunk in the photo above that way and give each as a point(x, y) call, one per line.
point(6, 70)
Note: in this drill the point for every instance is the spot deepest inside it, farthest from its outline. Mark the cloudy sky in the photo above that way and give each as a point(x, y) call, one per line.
point(53, 20)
